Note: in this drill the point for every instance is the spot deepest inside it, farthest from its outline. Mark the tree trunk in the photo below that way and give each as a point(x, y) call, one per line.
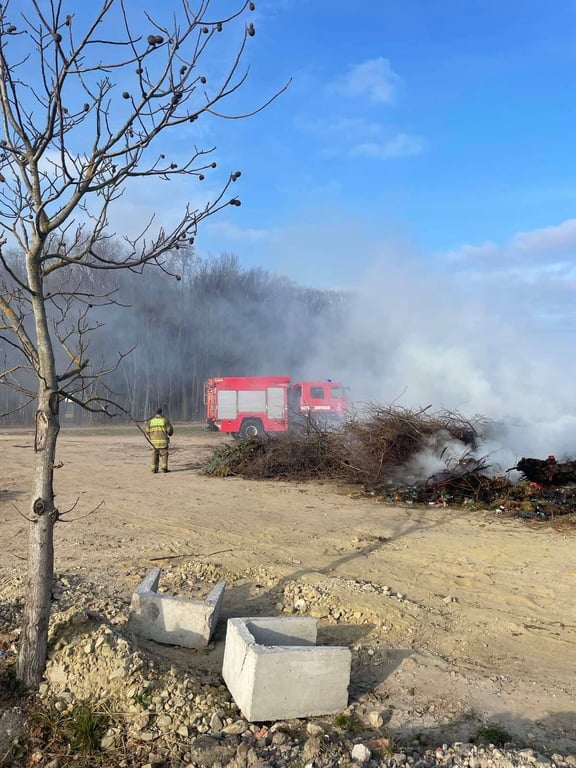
point(43, 514)
point(34, 639)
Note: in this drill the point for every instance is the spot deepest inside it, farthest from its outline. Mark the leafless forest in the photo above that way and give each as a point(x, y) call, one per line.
point(170, 330)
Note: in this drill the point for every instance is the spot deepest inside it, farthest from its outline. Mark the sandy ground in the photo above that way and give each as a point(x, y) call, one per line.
point(485, 630)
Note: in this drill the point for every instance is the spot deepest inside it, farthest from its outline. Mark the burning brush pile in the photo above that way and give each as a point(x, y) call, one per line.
point(408, 457)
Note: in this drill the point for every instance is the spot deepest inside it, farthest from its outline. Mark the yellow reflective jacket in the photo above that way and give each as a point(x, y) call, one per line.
point(159, 431)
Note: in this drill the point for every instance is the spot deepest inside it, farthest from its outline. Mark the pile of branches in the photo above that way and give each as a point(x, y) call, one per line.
point(388, 437)
point(303, 455)
point(376, 451)
point(367, 449)
point(465, 480)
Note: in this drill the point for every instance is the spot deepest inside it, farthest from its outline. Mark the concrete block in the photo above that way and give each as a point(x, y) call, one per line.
point(275, 671)
point(174, 620)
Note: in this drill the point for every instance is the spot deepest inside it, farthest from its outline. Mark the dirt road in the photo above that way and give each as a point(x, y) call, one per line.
point(456, 617)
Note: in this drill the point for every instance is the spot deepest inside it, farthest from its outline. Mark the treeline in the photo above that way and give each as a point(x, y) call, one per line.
point(163, 337)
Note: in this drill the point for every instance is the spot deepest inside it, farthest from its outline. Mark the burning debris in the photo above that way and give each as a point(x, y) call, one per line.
point(368, 450)
point(406, 457)
point(548, 472)
point(464, 481)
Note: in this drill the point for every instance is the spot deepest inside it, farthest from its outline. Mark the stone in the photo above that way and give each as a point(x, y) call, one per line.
point(108, 741)
point(216, 723)
point(235, 728)
point(360, 753)
point(375, 719)
point(313, 729)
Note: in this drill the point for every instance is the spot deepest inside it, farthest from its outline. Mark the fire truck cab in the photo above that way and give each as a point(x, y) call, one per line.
point(249, 406)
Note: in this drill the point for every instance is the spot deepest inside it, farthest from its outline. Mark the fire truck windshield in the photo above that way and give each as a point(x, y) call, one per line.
point(338, 392)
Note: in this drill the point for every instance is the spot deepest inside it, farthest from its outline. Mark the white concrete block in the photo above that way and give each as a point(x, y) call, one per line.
point(274, 670)
point(174, 620)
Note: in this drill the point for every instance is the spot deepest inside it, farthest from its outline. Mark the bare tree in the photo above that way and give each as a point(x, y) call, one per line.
point(86, 101)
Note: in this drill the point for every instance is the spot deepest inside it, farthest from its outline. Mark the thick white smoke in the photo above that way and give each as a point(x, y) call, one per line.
point(423, 336)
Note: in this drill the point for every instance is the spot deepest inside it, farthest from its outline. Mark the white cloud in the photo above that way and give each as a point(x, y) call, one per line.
point(401, 145)
point(556, 238)
point(373, 78)
point(547, 245)
point(228, 231)
point(340, 126)
point(469, 253)
point(357, 137)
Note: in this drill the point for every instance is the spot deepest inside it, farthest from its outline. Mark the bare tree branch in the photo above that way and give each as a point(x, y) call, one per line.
point(89, 107)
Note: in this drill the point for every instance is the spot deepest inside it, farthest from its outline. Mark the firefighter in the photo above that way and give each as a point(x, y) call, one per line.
point(159, 431)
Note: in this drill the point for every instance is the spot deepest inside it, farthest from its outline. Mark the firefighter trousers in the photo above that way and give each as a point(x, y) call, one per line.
point(160, 459)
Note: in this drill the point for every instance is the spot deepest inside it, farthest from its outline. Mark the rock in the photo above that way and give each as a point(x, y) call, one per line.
point(375, 719)
point(300, 605)
point(313, 729)
point(11, 729)
point(279, 738)
point(146, 736)
point(140, 721)
point(235, 728)
point(108, 741)
point(360, 753)
point(56, 674)
point(216, 723)
point(164, 722)
point(209, 750)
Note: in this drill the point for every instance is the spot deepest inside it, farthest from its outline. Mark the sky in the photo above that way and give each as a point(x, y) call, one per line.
point(421, 158)
point(445, 125)
point(440, 129)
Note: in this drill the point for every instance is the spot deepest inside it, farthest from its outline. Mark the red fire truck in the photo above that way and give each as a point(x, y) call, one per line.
point(248, 406)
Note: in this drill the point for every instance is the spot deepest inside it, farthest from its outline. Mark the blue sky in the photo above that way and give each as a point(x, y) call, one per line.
point(442, 124)
point(442, 129)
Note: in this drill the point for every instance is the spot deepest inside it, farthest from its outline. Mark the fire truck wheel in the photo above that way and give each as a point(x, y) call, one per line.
point(251, 428)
